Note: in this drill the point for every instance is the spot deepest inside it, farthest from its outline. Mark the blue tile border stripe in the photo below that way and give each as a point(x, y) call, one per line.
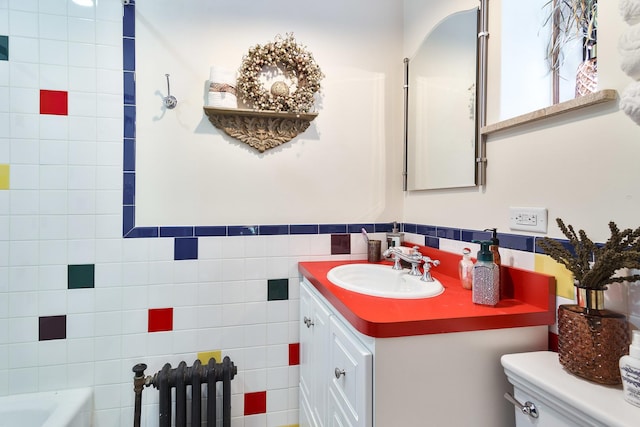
point(186, 236)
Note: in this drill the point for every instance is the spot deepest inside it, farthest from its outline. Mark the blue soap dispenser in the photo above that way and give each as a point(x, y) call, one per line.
point(486, 276)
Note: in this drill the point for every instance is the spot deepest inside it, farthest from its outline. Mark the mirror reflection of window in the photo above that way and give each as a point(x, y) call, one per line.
point(442, 102)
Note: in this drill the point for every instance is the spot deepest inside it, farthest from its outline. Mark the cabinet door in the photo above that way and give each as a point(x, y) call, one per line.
point(314, 336)
point(351, 376)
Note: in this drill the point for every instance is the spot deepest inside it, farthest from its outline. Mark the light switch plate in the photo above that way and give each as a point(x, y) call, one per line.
point(528, 219)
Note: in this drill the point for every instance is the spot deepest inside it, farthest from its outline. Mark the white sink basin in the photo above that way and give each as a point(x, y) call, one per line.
point(383, 281)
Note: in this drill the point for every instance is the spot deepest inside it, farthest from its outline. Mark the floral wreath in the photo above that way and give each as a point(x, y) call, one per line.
point(297, 64)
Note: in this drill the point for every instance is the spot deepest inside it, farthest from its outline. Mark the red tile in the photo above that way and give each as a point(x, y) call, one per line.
point(255, 403)
point(294, 354)
point(53, 102)
point(160, 319)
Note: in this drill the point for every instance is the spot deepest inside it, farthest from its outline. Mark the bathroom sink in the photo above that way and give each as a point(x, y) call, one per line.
point(383, 281)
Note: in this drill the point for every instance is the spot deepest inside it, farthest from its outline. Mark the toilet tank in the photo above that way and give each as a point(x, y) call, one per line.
point(562, 399)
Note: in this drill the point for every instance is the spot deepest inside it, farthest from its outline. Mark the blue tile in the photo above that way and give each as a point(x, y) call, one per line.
point(211, 231)
point(432, 242)
point(129, 155)
point(427, 230)
point(384, 227)
point(357, 228)
point(303, 229)
point(470, 235)
point(449, 233)
point(273, 230)
point(129, 20)
point(332, 228)
point(129, 188)
point(128, 219)
point(237, 230)
point(176, 232)
point(138, 232)
point(129, 122)
point(516, 241)
point(129, 54)
point(410, 228)
point(185, 248)
point(129, 88)
point(563, 242)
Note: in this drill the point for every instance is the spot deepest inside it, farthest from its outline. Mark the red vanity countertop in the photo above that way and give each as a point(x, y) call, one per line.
point(529, 301)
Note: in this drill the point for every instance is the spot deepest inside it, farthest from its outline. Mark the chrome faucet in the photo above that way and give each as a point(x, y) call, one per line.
point(415, 258)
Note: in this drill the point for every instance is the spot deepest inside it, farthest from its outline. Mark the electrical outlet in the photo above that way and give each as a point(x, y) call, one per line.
point(528, 219)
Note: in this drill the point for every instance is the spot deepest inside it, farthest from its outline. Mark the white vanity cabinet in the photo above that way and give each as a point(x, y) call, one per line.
point(448, 379)
point(335, 368)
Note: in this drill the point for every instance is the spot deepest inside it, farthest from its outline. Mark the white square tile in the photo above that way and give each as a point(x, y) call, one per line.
point(52, 303)
point(24, 74)
point(24, 49)
point(81, 301)
point(79, 349)
point(82, 79)
point(54, 126)
point(185, 318)
point(23, 279)
point(110, 154)
point(108, 250)
point(109, 178)
point(23, 24)
point(24, 380)
point(108, 347)
point(256, 312)
point(54, 52)
point(23, 329)
point(81, 226)
point(53, 152)
point(185, 294)
point(109, 300)
point(5, 150)
point(4, 286)
point(108, 274)
point(80, 326)
point(79, 10)
point(23, 304)
point(277, 400)
point(278, 333)
point(82, 128)
point(134, 322)
point(109, 32)
point(81, 201)
point(4, 101)
point(82, 103)
point(53, 227)
point(25, 125)
point(24, 151)
point(54, 202)
point(161, 296)
point(161, 273)
point(5, 133)
point(54, 77)
point(53, 252)
point(108, 323)
point(23, 227)
point(23, 253)
point(53, 27)
point(52, 352)
point(4, 73)
point(52, 277)
point(134, 297)
point(108, 11)
point(81, 177)
point(24, 177)
point(185, 341)
point(82, 153)
point(109, 57)
point(82, 30)
point(24, 355)
point(107, 226)
point(25, 100)
point(81, 251)
point(82, 55)
point(24, 202)
point(24, 5)
point(108, 129)
point(55, 7)
point(52, 378)
point(54, 178)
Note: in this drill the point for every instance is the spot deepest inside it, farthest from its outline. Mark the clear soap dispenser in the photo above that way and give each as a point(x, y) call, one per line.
point(395, 238)
point(465, 269)
point(485, 286)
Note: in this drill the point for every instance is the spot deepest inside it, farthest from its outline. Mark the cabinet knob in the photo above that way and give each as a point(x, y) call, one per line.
point(307, 322)
point(339, 372)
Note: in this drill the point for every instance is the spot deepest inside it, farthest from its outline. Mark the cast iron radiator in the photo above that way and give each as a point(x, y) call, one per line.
point(196, 376)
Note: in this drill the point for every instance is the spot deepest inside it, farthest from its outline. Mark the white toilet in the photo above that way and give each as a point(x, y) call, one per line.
point(546, 395)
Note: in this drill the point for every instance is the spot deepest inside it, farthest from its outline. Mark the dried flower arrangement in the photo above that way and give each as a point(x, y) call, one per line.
point(593, 266)
point(296, 63)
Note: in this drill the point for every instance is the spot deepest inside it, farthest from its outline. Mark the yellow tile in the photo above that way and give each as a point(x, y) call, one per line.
point(4, 177)
point(564, 278)
point(204, 356)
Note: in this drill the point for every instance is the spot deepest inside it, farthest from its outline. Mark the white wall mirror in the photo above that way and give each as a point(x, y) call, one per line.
point(441, 118)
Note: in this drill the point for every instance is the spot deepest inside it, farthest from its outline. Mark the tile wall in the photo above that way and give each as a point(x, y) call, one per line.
point(84, 293)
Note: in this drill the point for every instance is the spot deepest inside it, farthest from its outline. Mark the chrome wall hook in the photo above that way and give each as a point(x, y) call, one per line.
point(169, 101)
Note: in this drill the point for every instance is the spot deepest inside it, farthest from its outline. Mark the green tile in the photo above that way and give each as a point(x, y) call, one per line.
point(4, 48)
point(81, 276)
point(278, 289)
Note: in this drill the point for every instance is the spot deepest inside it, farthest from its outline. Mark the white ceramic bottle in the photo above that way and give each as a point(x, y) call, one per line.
point(630, 371)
